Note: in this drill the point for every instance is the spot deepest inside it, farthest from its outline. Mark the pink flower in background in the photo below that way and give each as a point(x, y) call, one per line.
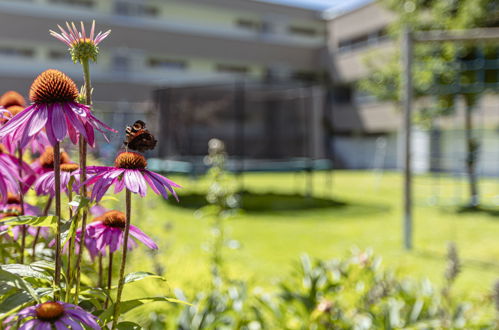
point(45, 184)
point(12, 208)
point(72, 37)
point(12, 103)
point(107, 232)
point(36, 145)
point(54, 109)
point(129, 171)
point(81, 47)
point(9, 176)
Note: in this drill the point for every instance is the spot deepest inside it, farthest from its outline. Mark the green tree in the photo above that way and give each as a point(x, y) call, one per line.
point(438, 65)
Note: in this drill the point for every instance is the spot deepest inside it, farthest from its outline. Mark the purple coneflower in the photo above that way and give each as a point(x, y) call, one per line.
point(80, 46)
point(45, 184)
point(107, 231)
point(45, 163)
point(9, 175)
point(12, 208)
point(9, 163)
point(54, 108)
point(129, 171)
point(52, 315)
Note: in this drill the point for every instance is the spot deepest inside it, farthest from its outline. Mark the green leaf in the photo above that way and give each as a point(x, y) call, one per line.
point(47, 221)
point(32, 271)
point(128, 305)
point(127, 325)
point(20, 298)
point(16, 281)
point(79, 202)
point(67, 230)
point(137, 276)
point(43, 264)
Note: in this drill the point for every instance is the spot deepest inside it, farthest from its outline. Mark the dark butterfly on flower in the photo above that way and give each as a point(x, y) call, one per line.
point(138, 138)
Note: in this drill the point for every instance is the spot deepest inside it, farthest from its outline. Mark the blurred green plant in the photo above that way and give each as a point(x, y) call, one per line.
point(357, 293)
point(350, 293)
point(221, 305)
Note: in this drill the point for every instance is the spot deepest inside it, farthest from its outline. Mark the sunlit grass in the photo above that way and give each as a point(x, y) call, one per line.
point(272, 241)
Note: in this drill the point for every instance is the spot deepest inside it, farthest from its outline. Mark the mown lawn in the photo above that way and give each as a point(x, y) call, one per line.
point(272, 241)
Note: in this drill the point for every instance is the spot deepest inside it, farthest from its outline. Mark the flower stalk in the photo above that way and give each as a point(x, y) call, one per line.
point(21, 198)
point(109, 278)
point(121, 283)
point(57, 177)
point(83, 174)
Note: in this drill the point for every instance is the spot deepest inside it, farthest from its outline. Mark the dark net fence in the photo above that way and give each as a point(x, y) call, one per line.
point(256, 121)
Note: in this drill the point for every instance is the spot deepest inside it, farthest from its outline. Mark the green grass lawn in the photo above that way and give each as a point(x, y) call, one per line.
point(272, 241)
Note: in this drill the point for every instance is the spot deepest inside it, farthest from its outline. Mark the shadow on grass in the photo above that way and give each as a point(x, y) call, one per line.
point(487, 210)
point(269, 202)
point(442, 256)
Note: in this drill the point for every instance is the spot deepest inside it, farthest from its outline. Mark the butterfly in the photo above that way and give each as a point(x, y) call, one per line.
point(139, 138)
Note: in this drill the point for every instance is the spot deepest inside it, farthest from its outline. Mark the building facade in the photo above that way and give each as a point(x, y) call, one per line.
point(158, 42)
point(367, 131)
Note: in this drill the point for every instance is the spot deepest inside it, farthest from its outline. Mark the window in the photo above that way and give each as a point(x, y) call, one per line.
point(363, 40)
point(135, 9)
point(173, 64)
point(80, 3)
point(302, 31)
point(231, 68)
point(59, 55)
point(307, 76)
point(121, 63)
point(342, 94)
point(16, 51)
point(248, 24)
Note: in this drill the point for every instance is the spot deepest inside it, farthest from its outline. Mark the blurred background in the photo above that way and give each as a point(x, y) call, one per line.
point(306, 97)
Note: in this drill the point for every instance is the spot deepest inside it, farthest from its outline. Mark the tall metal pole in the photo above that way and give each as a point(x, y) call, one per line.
point(407, 108)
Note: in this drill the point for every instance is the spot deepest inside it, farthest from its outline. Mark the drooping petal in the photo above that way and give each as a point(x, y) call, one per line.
point(58, 121)
point(18, 120)
point(141, 236)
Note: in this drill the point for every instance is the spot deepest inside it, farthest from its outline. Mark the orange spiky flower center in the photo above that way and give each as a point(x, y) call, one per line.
point(130, 161)
point(12, 211)
point(47, 158)
point(11, 98)
point(13, 199)
point(3, 150)
point(15, 109)
point(113, 218)
point(69, 167)
point(53, 86)
point(49, 311)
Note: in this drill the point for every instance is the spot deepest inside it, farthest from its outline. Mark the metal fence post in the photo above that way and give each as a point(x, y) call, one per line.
point(407, 108)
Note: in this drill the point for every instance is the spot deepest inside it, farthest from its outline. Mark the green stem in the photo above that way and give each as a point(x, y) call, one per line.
point(21, 198)
point(109, 278)
point(83, 176)
point(121, 282)
point(99, 279)
point(57, 176)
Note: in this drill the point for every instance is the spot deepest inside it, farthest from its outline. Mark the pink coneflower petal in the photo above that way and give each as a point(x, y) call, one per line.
point(58, 121)
point(138, 234)
point(83, 30)
point(106, 233)
point(37, 121)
